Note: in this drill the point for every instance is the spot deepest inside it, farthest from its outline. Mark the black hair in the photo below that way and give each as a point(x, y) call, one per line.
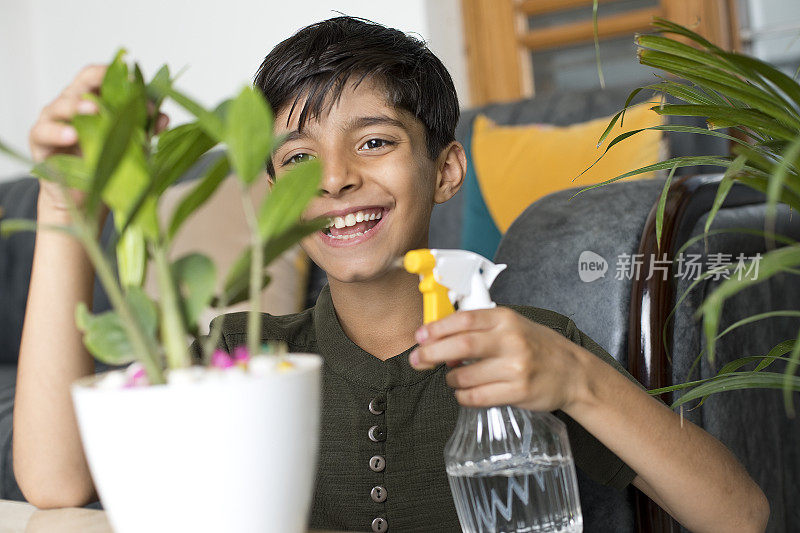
point(319, 60)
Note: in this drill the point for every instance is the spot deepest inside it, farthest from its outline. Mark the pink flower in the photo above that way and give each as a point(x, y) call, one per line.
point(220, 359)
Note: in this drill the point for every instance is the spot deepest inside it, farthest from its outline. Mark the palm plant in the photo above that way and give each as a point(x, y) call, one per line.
point(759, 106)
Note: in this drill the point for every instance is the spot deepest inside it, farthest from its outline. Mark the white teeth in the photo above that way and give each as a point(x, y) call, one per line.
point(351, 219)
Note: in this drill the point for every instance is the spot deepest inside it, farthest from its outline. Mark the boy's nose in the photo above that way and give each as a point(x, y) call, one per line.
point(338, 177)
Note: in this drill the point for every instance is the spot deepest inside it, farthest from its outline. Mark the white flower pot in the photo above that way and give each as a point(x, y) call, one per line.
point(233, 455)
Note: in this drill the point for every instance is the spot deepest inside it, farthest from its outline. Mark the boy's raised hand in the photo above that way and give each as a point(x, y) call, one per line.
point(515, 361)
point(52, 133)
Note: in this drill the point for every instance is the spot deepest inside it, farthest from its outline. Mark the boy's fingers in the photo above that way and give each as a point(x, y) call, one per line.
point(470, 345)
point(46, 133)
point(88, 80)
point(162, 122)
point(481, 372)
point(497, 393)
point(461, 321)
point(66, 107)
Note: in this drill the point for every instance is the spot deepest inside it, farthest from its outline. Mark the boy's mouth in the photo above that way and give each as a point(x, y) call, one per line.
point(353, 226)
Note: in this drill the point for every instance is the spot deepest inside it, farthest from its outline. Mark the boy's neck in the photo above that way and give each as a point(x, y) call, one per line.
point(380, 316)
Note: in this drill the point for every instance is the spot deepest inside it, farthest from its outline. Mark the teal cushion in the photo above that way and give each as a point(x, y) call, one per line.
point(479, 233)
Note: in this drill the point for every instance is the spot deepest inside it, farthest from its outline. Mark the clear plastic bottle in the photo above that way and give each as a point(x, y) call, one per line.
point(511, 470)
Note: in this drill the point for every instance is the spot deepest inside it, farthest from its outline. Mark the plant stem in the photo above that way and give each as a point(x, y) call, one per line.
point(145, 351)
point(173, 331)
point(256, 266)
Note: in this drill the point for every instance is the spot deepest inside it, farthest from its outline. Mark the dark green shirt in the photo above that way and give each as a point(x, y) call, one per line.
point(416, 413)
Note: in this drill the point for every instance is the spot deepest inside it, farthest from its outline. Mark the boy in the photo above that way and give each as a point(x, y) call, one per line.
point(379, 110)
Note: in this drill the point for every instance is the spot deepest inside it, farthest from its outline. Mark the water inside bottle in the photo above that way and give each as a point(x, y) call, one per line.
point(534, 495)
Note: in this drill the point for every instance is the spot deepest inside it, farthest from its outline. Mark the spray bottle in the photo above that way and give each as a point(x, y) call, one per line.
point(510, 469)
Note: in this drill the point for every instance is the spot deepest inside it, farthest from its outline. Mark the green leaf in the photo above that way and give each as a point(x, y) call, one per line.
point(117, 141)
point(248, 133)
point(91, 131)
point(198, 196)
point(143, 309)
point(597, 44)
point(748, 64)
point(178, 150)
point(104, 336)
point(288, 198)
point(208, 121)
point(160, 79)
point(237, 281)
point(775, 353)
point(788, 197)
point(9, 226)
point(723, 188)
point(749, 118)
point(687, 161)
point(115, 88)
point(728, 65)
point(195, 275)
point(68, 169)
point(789, 377)
point(770, 264)
point(737, 381)
point(779, 178)
point(6, 149)
point(662, 202)
point(668, 26)
point(132, 257)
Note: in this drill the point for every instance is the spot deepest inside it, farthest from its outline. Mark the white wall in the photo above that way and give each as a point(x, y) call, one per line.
point(44, 43)
point(775, 25)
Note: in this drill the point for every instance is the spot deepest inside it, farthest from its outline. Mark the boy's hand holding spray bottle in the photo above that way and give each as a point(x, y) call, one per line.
point(508, 461)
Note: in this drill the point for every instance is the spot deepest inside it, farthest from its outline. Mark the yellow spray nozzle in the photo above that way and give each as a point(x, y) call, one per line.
point(435, 300)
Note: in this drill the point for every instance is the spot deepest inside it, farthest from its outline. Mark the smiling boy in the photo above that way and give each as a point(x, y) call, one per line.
point(379, 110)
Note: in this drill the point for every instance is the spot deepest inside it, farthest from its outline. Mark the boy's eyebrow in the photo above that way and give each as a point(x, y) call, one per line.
point(353, 124)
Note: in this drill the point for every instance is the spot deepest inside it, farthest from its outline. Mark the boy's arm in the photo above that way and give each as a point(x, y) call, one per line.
point(524, 363)
point(682, 468)
point(49, 463)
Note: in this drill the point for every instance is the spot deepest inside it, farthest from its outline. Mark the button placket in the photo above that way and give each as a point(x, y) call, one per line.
point(377, 463)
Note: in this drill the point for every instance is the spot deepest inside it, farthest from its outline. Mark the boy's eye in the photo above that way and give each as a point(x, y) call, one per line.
point(376, 143)
point(297, 158)
point(370, 144)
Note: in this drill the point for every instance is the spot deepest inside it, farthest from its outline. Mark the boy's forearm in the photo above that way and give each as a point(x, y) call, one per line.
point(48, 458)
point(692, 474)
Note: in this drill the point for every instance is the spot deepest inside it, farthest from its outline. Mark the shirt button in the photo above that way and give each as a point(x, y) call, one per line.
point(379, 525)
point(377, 463)
point(377, 434)
point(377, 406)
point(378, 494)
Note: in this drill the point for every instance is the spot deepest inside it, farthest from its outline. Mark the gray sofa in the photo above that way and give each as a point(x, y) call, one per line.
point(541, 249)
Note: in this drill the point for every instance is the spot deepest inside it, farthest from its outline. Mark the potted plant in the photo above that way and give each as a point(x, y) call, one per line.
point(214, 442)
point(760, 108)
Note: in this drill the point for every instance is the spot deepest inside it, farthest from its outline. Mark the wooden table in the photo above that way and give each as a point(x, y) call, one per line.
point(20, 517)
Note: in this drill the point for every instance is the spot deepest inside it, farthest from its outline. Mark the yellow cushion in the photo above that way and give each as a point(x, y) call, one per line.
point(517, 165)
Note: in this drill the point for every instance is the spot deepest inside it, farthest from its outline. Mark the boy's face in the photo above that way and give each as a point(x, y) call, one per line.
point(378, 182)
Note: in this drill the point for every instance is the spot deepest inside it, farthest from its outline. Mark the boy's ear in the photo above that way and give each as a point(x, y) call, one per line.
point(451, 169)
